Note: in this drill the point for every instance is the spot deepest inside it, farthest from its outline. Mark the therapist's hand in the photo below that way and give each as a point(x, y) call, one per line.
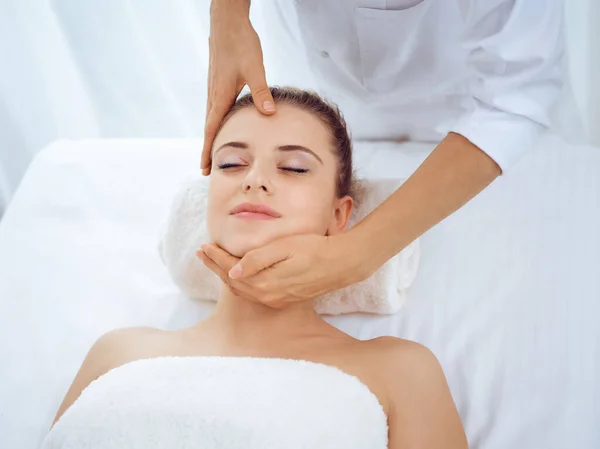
point(291, 269)
point(235, 59)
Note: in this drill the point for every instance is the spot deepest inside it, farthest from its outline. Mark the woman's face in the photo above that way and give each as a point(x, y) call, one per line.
point(273, 176)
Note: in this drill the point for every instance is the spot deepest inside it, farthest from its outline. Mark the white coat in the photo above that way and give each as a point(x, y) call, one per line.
point(489, 70)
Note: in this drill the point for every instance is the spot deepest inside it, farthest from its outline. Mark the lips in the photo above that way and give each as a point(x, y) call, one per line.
point(254, 211)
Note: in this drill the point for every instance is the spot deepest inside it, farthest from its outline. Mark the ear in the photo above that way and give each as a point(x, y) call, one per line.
point(341, 215)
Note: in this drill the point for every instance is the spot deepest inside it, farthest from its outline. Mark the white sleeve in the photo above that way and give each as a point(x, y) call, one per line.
point(515, 48)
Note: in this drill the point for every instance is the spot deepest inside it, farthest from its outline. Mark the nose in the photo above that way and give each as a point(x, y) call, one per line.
point(257, 180)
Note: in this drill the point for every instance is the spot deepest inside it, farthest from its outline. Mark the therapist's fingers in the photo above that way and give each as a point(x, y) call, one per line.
point(212, 266)
point(214, 118)
point(222, 258)
point(223, 89)
point(209, 80)
point(259, 259)
point(235, 59)
point(261, 94)
point(257, 82)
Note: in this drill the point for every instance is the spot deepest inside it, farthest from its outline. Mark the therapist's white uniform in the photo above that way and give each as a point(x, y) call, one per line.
point(489, 70)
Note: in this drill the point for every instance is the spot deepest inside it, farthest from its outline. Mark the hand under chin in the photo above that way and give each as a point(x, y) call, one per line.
point(239, 246)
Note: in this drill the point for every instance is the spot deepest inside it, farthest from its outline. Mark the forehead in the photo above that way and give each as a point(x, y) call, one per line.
point(290, 125)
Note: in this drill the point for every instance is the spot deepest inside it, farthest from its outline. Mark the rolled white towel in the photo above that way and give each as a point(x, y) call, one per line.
point(185, 230)
point(223, 403)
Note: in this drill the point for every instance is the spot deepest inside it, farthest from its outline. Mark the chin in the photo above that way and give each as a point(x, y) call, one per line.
point(240, 245)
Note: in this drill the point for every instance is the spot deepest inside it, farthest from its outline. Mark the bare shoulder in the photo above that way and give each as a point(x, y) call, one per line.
point(109, 351)
point(123, 345)
point(423, 412)
point(408, 368)
point(404, 357)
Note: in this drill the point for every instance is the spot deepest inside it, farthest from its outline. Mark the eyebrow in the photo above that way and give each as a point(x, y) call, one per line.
point(244, 146)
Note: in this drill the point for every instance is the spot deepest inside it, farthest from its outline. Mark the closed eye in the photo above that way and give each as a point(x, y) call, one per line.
point(225, 166)
point(295, 170)
point(229, 165)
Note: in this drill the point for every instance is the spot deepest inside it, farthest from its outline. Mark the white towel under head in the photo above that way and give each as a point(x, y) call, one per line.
point(185, 230)
point(223, 403)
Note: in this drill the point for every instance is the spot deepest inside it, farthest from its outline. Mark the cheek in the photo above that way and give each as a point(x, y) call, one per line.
point(220, 193)
point(312, 208)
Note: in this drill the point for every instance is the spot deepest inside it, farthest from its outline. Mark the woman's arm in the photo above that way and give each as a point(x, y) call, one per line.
point(423, 414)
point(454, 173)
point(515, 51)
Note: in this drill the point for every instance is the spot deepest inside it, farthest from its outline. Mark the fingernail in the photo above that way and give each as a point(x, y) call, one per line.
point(236, 271)
point(269, 106)
point(203, 247)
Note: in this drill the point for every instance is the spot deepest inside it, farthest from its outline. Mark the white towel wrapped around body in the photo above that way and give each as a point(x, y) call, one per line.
point(223, 403)
point(185, 230)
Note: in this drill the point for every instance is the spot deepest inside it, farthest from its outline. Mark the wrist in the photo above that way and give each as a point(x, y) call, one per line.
point(354, 252)
point(229, 9)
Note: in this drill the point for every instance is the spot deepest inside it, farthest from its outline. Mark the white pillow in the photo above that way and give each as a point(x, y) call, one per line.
point(185, 230)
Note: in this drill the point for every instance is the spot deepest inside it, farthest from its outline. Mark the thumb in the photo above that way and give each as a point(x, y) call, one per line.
point(258, 259)
point(261, 94)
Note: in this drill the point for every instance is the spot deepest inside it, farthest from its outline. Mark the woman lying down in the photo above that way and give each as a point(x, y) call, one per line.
point(250, 376)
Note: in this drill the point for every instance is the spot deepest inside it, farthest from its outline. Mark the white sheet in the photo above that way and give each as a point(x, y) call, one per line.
point(507, 295)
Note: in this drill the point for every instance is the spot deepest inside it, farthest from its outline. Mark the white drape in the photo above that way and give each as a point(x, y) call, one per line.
point(137, 68)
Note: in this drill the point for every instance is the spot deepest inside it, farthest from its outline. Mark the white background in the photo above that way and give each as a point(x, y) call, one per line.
point(137, 68)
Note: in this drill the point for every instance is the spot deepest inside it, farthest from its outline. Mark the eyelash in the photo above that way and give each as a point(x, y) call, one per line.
point(225, 166)
point(295, 170)
point(290, 169)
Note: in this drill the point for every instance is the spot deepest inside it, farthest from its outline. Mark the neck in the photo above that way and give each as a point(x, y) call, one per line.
point(248, 322)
